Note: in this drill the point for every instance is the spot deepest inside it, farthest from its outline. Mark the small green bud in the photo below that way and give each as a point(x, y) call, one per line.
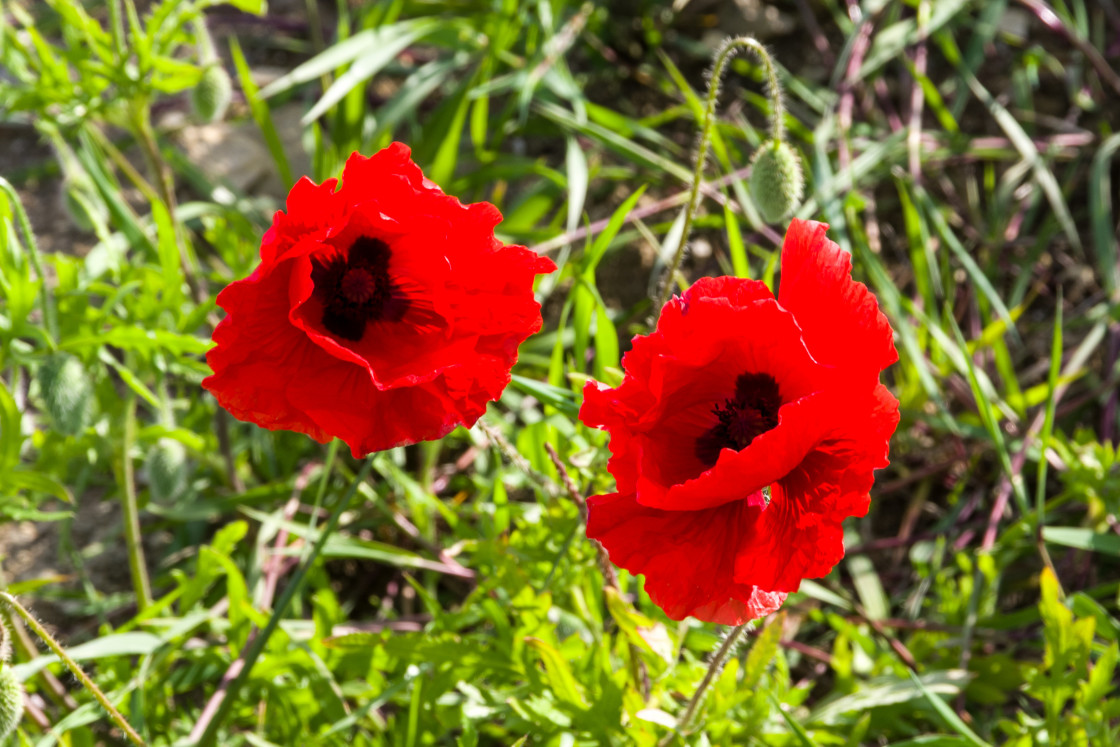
point(67, 393)
point(777, 184)
point(166, 466)
point(211, 97)
point(11, 702)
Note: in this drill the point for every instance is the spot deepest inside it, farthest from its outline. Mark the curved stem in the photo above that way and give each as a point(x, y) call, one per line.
point(777, 131)
point(715, 666)
point(74, 668)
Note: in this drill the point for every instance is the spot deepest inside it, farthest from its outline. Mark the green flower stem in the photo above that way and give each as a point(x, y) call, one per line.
point(73, 666)
point(206, 729)
point(131, 513)
point(49, 315)
point(777, 131)
point(715, 666)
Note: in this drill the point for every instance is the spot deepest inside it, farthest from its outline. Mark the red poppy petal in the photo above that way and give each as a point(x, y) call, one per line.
point(270, 372)
point(770, 457)
point(256, 347)
point(687, 557)
point(727, 290)
point(312, 212)
point(686, 387)
point(603, 408)
point(800, 534)
point(371, 177)
point(346, 404)
point(840, 319)
point(313, 205)
point(848, 457)
point(699, 331)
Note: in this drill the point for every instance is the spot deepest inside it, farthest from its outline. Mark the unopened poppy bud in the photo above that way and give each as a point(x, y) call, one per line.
point(67, 393)
point(211, 97)
point(776, 182)
point(11, 701)
point(166, 466)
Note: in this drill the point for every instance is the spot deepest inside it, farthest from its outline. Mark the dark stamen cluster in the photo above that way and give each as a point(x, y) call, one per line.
point(742, 418)
point(356, 289)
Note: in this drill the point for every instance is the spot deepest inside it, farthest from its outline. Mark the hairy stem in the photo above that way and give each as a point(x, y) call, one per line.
point(72, 665)
point(777, 131)
point(715, 666)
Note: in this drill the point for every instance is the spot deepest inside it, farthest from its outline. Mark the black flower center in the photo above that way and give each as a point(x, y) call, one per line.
point(355, 289)
point(358, 286)
point(751, 412)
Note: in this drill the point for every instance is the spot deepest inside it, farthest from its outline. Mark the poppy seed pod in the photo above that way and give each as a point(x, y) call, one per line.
point(211, 97)
point(67, 392)
point(777, 183)
point(11, 701)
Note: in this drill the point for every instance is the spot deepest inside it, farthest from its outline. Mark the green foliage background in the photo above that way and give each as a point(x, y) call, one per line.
point(962, 151)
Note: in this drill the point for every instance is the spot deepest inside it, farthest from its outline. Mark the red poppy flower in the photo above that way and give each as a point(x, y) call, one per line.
point(382, 313)
point(746, 430)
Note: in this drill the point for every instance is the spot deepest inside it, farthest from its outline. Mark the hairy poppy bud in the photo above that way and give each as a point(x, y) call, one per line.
point(67, 392)
point(11, 701)
point(166, 466)
point(776, 180)
point(211, 96)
